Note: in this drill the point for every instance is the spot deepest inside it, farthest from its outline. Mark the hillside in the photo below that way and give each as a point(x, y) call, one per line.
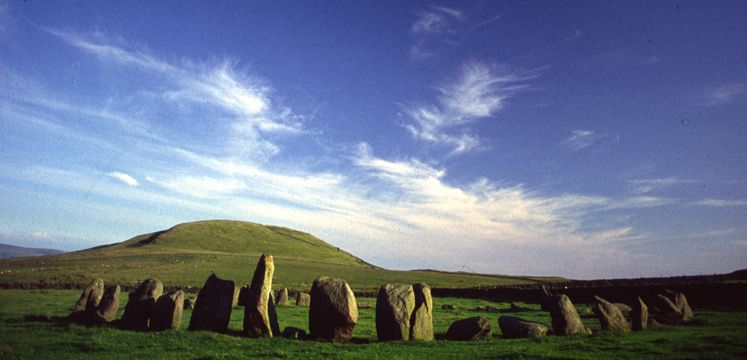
point(186, 254)
point(11, 251)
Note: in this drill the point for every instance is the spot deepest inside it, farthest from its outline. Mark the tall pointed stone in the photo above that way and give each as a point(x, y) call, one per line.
point(140, 304)
point(639, 315)
point(257, 320)
point(394, 305)
point(333, 312)
point(421, 321)
point(213, 307)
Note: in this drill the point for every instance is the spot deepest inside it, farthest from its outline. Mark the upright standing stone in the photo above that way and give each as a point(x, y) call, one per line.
point(243, 295)
point(669, 313)
point(213, 307)
point(303, 299)
point(394, 305)
point(167, 312)
point(140, 304)
point(189, 303)
point(565, 319)
point(610, 316)
point(545, 297)
point(475, 328)
point(421, 321)
point(256, 315)
point(333, 312)
point(639, 315)
point(681, 303)
point(97, 287)
point(108, 306)
point(283, 297)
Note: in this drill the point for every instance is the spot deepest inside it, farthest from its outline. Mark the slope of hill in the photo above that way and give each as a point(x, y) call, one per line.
point(187, 254)
point(11, 251)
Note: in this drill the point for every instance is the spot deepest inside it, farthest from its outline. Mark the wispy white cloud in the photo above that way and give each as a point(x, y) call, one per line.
point(582, 139)
point(721, 202)
point(244, 100)
point(478, 92)
point(127, 179)
point(437, 20)
point(644, 186)
point(722, 94)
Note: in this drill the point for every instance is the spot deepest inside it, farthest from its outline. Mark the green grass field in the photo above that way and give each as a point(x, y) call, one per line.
point(32, 325)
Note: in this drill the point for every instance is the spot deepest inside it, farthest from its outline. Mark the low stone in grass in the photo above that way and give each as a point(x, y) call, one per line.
point(394, 305)
point(639, 315)
point(475, 328)
point(140, 304)
point(421, 321)
point(514, 327)
point(97, 287)
point(293, 333)
point(449, 307)
point(167, 312)
point(282, 298)
point(365, 305)
point(303, 299)
point(610, 316)
point(333, 312)
point(213, 307)
point(565, 319)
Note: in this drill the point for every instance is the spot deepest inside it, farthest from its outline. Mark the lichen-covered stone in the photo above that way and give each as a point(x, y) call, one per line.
point(421, 320)
point(514, 327)
point(256, 315)
point(333, 312)
point(167, 312)
point(394, 305)
point(475, 328)
point(213, 306)
point(610, 317)
point(565, 319)
point(639, 315)
point(140, 304)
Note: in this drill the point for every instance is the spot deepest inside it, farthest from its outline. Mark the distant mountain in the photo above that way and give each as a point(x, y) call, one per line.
point(10, 251)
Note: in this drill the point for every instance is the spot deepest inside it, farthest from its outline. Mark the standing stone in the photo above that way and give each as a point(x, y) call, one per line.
point(333, 312)
point(669, 313)
point(639, 315)
point(394, 305)
point(565, 319)
point(97, 287)
point(475, 328)
point(256, 316)
point(189, 303)
point(610, 316)
point(624, 309)
point(681, 303)
point(282, 297)
point(167, 312)
point(545, 297)
point(213, 306)
point(303, 299)
point(514, 327)
point(140, 304)
point(421, 321)
point(108, 306)
point(235, 300)
point(243, 295)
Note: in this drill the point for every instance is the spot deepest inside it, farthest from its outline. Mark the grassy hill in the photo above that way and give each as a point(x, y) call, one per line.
point(187, 254)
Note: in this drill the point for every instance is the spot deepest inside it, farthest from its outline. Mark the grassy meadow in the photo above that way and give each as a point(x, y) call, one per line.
point(32, 325)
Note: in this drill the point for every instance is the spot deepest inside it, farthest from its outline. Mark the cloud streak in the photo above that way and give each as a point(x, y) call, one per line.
point(478, 92)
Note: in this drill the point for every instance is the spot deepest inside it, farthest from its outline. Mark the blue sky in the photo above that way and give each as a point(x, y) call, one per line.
point(576, 139)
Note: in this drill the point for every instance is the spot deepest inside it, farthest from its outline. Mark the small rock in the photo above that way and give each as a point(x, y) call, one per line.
point(513, 327)
point(475, 328)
